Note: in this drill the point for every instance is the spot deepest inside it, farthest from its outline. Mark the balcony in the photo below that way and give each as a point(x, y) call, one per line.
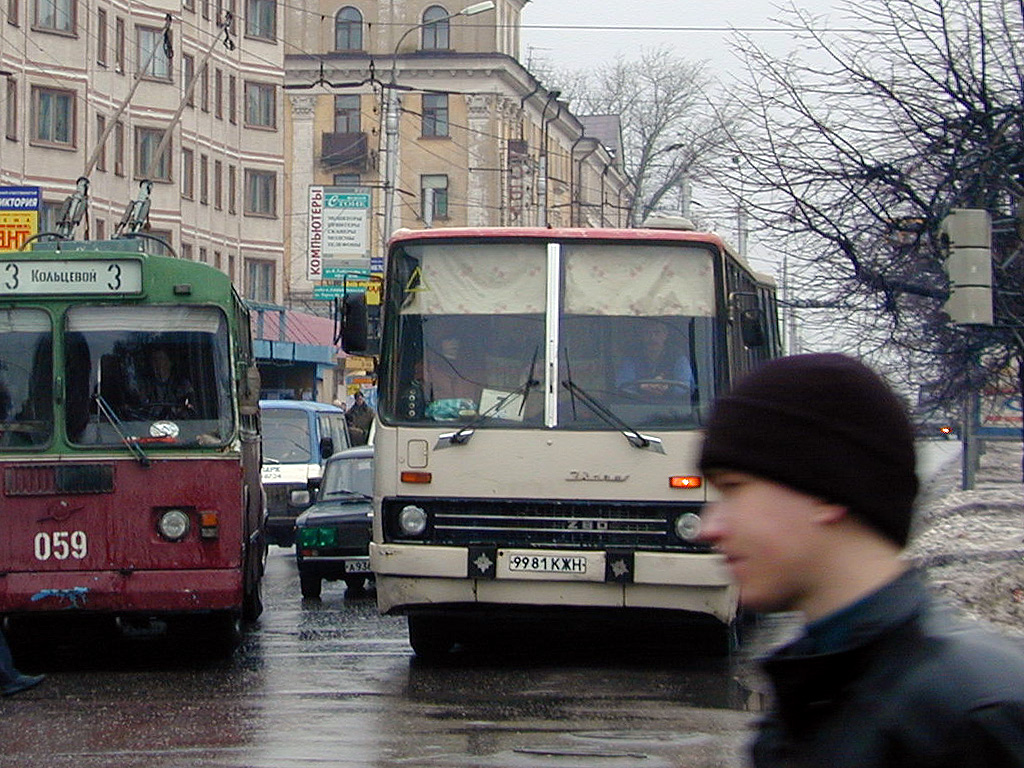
point(344, 149)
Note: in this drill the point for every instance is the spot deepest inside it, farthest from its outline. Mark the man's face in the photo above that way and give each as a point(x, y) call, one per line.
point(161, 365)
point(770, 535)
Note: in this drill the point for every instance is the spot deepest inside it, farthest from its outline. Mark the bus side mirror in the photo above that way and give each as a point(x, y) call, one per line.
point(326, 447)
point(351, 323)
point(751, 328)
point(249, 395)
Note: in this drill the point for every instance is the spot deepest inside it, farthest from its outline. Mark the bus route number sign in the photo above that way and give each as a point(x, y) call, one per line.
point(106, 277)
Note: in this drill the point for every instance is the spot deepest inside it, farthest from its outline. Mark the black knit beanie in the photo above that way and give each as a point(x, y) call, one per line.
point(824, 424)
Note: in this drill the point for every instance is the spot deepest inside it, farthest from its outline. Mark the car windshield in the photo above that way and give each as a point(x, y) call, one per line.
point(348, 476)
point(285, 436)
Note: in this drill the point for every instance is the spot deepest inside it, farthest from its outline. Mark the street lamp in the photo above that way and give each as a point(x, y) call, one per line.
point(392, 117)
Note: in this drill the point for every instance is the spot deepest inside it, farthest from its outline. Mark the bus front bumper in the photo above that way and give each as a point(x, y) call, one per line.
point(414, 576)
point(117, 592)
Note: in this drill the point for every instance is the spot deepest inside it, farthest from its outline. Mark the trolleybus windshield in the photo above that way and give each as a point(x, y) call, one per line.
point(158, 375)
point(627, 335)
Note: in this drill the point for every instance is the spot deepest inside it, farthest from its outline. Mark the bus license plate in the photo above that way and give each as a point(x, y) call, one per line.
point(547, 563)
point(357, 566)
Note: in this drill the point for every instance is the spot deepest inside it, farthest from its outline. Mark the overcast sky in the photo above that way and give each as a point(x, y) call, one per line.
point(597, 31)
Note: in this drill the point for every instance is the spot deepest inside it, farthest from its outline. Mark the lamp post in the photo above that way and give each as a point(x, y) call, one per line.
point(392, 115)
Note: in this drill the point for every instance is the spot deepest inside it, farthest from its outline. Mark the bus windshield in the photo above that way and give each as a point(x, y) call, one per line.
point(155, 374)
point(26, 376)
point(630, 334)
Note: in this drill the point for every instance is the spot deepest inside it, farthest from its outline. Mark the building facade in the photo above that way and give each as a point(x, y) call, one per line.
point(476, 139)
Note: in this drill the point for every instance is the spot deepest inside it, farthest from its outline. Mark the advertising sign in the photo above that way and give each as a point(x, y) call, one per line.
point(999, 406)
point(19, 216)
point(339, 232)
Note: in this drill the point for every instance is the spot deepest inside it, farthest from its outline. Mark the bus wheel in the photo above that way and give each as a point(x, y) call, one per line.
point(430, 637)
point(356, 585)
point(310, 585)
point(252, 604)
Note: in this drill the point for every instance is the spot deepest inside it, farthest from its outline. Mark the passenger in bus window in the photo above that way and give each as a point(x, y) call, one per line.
point(654, 366)
point(161, 392)
point(813, 458)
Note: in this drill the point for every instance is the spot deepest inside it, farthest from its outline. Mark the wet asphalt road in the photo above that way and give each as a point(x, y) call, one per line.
point(332, 683)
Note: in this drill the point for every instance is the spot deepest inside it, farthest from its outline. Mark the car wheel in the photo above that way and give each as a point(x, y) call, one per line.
point(310, 585)
point(430, 637)
point(356, 584)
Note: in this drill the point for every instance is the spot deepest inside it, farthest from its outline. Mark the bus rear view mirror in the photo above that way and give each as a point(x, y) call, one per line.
point(751, 328)
point(352, 323)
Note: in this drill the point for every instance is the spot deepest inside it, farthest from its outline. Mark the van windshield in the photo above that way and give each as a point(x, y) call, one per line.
point(286, 436)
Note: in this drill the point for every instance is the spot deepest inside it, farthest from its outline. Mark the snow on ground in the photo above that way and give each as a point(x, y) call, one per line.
point(971, 543)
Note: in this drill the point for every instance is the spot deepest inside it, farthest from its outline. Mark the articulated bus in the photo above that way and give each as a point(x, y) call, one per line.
point(541, 397)
point(129, 443)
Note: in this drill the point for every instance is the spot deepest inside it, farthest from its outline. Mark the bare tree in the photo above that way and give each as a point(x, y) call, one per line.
point(674, 126)
point(853, 152)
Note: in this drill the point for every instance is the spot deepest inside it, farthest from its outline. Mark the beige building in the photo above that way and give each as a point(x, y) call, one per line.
point(92, 85)
point(480, 142)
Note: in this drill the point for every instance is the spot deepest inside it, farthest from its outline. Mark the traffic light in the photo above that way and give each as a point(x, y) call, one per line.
point(965, 236)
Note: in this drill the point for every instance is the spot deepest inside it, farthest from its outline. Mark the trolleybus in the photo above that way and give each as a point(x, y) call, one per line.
point(541, 398)
point(129, 441)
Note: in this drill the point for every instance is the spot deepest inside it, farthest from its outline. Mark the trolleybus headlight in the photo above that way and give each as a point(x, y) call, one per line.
point(688, 526)
point(173, 525)
point(412, 520)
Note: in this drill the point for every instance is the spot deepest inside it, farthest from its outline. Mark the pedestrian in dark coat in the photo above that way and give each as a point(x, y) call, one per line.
point(11, 680)
point(813, 460)
point(359, 418)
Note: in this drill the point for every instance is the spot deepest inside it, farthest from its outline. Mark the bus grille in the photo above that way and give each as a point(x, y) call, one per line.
point(541, 523)
point(277, 497)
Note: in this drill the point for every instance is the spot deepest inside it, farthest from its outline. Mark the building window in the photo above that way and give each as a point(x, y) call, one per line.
point(55, 15)
point(186, 251)
point(206, 9)
point(188, 71)
point(188, 174)
point(346, 180)
point(216, 259)
point(101, 156)
point(101, 229)
point(151, 44)
point(12, 12)
point(202, 255)
point(11, 108)
point(434, 197)
point(260, 105)
point(348, 30)
point(189, 5)
point(435, 29)
point(346, 114)
point(53, 116)
point(204, 179)
point(101, 37)
point(218, 184)
point(119, 149)
point(261, 19)
point(119, 45)
point(260, 193)
point(232, 99)
point(435, 114)
point(147, 140)
point(163, 248)
point(49, 215)
point(259, 280)
point(232, 185)
point(204, 90)
point(218, 94)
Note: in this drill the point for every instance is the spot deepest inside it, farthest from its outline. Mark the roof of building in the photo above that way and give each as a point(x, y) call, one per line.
point(605, 128)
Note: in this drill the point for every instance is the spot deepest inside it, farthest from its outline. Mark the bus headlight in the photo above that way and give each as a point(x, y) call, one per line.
point(173, 525)
point(688, 526)
point(412, 520)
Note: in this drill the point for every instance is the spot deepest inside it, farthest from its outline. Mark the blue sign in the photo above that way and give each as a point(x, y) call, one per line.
point(20, 198)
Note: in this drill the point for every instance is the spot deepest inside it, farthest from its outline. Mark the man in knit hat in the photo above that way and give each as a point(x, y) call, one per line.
point(812, 457)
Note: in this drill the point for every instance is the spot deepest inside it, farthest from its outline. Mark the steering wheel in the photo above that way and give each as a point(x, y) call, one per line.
point(654, 387)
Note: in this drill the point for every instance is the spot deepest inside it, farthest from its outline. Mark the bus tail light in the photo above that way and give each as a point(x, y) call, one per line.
point(209, 525)
point(416, 477)
point(684, 481)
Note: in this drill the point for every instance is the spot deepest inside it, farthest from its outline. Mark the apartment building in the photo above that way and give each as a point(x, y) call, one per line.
point(91, 87)
point(476, 140)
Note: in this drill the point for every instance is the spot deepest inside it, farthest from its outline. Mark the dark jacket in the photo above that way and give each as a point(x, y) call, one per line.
point(912, 685)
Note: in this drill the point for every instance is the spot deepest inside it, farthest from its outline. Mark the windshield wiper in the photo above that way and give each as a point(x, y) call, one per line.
point(635, 438)
point(130, 441)
point(462, 434)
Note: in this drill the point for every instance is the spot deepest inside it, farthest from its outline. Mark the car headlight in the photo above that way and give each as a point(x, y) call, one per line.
point(173, 525)
point(412, 520)
point(688, 526)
